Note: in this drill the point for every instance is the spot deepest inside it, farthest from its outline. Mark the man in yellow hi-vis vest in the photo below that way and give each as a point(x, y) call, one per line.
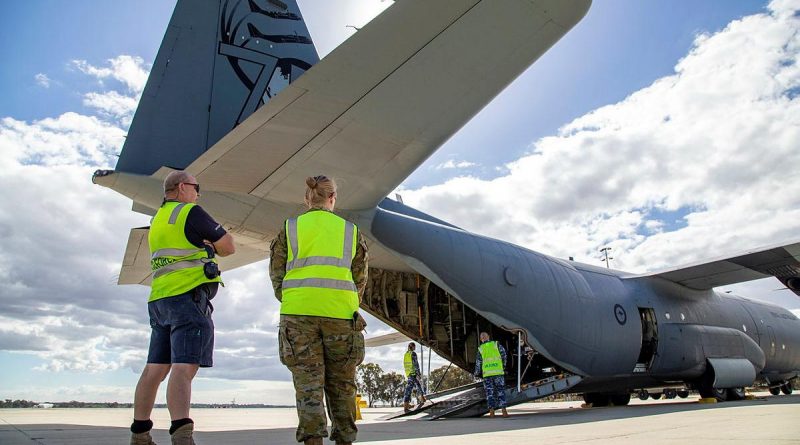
point(490, 364)
point(411, 367)
point(183, 240)
point(318, 267)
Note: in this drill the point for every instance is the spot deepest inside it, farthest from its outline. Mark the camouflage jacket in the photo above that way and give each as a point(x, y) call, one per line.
point(278, 252)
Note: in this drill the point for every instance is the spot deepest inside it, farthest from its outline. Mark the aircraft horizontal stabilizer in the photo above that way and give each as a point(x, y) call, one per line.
point(388, 339)
point(136, 262)
point(780, 261)
point(375, 108)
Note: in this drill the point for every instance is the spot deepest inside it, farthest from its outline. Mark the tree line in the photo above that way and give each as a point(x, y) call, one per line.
point(388, 387)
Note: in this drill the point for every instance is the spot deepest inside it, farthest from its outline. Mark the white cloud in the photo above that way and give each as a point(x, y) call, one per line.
point(42, 80)
point(130, 70)
point(113, 104)
point(451, 164)
point(715, 142)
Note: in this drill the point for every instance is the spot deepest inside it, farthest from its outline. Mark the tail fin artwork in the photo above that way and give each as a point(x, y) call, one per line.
point(220, 60)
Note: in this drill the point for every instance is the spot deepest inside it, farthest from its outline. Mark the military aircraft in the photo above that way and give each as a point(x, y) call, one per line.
point(238, 97)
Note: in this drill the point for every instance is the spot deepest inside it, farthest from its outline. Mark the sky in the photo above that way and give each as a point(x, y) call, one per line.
point(667, 131)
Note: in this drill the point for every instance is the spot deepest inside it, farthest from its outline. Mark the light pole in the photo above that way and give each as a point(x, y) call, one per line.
point(605, 250)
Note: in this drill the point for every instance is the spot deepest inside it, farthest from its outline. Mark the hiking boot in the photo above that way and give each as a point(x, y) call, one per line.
point(183, 435)
point(505, 413)
point(491, 413)
point(313, 441)
point(406, 406)
point(142, 439)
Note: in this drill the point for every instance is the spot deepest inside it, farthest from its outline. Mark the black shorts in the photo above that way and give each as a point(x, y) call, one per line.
point(182, 329)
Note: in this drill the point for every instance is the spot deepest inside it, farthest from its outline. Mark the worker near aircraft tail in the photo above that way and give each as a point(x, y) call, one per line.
point(490, 365)
point(318, 267)
point(411, 367)
point(184, 241)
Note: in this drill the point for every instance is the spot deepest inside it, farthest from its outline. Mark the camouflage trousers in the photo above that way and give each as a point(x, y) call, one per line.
point(411, 384)
point(495, 387)
point(322, 354)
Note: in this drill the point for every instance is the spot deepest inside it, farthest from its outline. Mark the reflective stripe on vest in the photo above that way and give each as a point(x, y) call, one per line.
point(408, 364)
point(492, 364)
point(318, 280)
point(176, 263)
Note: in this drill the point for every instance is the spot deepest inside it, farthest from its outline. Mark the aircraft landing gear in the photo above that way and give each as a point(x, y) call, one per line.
point(596, 399)
point(775, 390)
point(670, 393)
point(643, 394)
point(656, 395)
point(620, 399)
point(786, 388)
point(736, 394)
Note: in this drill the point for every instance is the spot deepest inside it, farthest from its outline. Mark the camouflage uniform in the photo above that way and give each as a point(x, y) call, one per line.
point(322, 354)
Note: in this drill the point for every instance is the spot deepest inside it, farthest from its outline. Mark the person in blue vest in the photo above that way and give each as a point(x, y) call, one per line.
point(184, 241)
point(411, 367)
point(490, 364)
point(318, 268)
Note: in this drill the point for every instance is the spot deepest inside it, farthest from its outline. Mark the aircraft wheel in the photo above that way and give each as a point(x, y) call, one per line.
point(656, 395)
point(721, 394)
point(670, 393)
point(596, 399)
point(736, 394)
point(683, 394)
point(620, 399)
point(775, 390)
point(786, 388)
point(643, 394)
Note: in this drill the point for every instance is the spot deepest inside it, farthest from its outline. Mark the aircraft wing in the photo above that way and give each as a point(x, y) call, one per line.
point(376, 107)
point(780, 261)
point(136, 262)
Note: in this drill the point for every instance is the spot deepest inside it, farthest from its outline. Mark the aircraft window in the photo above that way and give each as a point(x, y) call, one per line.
point(783, 346)
point(666, 315)
point(744, 328)
point(683, 317)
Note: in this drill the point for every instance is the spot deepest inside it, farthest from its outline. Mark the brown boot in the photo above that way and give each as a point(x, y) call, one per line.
point(491, 413)
point(505, 413)
point(313, 441)
point(406, 406)
point(142, 439)
point(183, 435)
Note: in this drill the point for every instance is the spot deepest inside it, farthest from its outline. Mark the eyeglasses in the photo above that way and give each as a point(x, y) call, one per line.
point(196, 186)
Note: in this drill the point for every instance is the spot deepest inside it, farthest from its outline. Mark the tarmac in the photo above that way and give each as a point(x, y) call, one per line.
point(763, 420)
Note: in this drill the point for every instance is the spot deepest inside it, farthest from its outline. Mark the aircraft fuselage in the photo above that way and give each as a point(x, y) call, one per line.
point(614, 329)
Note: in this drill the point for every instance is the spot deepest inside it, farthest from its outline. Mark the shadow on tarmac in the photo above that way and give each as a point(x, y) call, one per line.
point(531, 417)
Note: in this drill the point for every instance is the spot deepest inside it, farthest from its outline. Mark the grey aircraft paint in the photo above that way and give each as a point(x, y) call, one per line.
point(586, 319)
point(215, 67)
point(222, 59)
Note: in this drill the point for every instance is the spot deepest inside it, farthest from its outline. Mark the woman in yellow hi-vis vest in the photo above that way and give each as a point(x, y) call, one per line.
point(490, 364)
point(318, 267)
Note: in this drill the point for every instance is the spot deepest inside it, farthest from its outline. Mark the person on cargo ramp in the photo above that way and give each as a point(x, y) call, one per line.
point(490, 364)
point(411, 367)
point(183, 241)
point(318, 267)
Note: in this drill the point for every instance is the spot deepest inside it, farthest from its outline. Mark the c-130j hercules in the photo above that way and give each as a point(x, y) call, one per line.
point(238, 97)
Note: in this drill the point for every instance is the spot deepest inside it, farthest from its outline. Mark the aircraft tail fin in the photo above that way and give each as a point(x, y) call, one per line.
point(220, 60)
